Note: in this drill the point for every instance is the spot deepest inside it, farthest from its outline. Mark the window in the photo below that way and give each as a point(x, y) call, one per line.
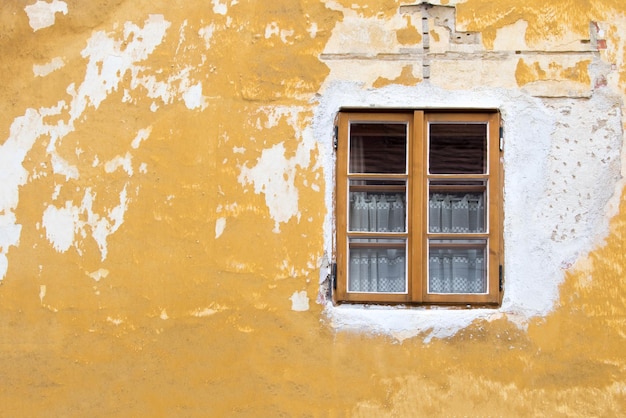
point(419, 208)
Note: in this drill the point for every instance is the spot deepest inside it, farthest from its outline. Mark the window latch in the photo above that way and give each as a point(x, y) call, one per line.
point(501, 138)
point(501, 279)
point(336, 138)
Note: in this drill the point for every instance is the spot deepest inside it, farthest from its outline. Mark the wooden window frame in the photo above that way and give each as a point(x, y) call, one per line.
point(417, 233)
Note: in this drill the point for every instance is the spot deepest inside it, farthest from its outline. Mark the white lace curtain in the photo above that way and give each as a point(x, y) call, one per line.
point(377, 269)
point(371, 212)
point(456, 213)
point(384, 269)
point(458, 270)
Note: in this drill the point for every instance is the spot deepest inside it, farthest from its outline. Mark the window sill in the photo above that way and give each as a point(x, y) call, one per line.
point(402, 322)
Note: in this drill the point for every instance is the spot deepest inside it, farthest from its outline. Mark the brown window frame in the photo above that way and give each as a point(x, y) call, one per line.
point(416, 232)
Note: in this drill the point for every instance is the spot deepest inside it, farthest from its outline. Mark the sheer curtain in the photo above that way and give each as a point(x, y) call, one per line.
point(456, 269)
point(377, 269)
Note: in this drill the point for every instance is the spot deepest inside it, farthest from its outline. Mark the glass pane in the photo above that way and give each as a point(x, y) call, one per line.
point(377, 266)
point(457, 148)
point(456, 207)
point(377, 206)
point(378, 148)
point(457, 266)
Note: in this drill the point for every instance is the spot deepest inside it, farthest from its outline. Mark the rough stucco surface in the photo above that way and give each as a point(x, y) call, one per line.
point(166, 194)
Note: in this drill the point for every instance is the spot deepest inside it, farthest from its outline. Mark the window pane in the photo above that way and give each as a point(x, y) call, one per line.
point(377, 266)
point(457, 266)
point(456, 207)
point(377, 206)
point(378, 148)
point(457, 148)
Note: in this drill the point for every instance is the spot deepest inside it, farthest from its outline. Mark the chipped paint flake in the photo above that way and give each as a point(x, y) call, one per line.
point(274, 175)
point(193, 97)
point(60, 225)
point(42, 292)
point(142, 135)
point(63, 224)
point(299, 301)
point(220, 225)
point(64, 168)
point(115, 321)
point(271, 29)
point(176, 86)
point(109, 60)
point(45, 69)
point(201, 313)
point(219, 7)
point(43, 14)
point(99, 274)
point(124, 162)
point(206, 33)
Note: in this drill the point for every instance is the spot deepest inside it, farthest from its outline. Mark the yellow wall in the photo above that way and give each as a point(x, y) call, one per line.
point(165, 201)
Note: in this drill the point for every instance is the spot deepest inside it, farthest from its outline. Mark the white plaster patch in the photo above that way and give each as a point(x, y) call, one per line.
point(108, 61)
point(364, 35)
point(164, 315)
point(115, 321)
point(181, 36)
point(62, 224)
point(64, 168)
point(45, 69)
point(23, 133)
point(201, 313)
point(174, 87)
point(99, 274)
point(271, 29)
point(556, 152)
point(59, 224)
point(274, 174)
point(142, 135)
point(405, 323)
point(42, 14)
point(220, 225)
point(220, 7)
point(42, 292)
point(511, 37)
point(57, 191)
point(4, 264)
point(193, 97)
point(124, 162)
point(206, 33)
point(299, 301)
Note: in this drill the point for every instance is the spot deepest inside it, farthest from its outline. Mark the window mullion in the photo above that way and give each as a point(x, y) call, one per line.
point(417, 219)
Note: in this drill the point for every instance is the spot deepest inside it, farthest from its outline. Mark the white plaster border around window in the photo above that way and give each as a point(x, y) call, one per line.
point(561, 165)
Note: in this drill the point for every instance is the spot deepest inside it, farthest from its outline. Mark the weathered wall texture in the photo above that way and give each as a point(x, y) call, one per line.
point(166, 194)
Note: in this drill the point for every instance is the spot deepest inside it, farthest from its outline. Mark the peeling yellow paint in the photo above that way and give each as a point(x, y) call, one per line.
point(528, 73)
point(205, 300)
point(409, 35)
point(406, 78)
point(434, 35)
